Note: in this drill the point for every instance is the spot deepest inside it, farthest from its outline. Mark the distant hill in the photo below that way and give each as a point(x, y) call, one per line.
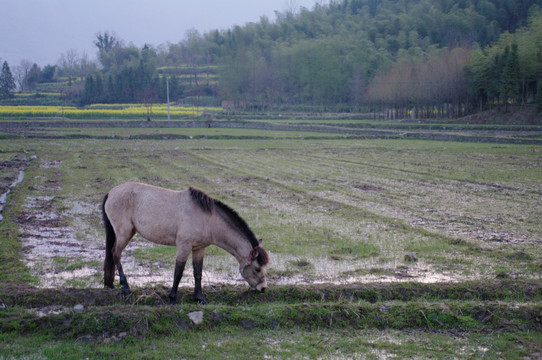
point(401, 58)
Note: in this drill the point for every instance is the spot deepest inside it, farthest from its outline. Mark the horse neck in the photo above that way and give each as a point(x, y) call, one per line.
point(232, 241)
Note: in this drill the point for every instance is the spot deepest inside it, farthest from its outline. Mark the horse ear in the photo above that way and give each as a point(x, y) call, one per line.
point(261, 241)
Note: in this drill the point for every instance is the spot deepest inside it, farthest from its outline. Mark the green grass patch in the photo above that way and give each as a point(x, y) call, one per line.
point(156, 254)
point(12, 269)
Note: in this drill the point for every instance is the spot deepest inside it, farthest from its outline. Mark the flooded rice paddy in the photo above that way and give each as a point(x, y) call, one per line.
point(329, 211)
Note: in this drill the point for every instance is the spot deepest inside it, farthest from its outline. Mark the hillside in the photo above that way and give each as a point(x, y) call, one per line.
point(401, 58)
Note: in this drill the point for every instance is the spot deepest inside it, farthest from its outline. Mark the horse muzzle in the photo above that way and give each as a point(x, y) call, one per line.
point(261, 286)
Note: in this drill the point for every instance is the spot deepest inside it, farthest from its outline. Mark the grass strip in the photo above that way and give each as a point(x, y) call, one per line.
point(498, 290)
point(165, 320)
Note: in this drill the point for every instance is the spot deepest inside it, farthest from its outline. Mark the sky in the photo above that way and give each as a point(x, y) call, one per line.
point(42, 30)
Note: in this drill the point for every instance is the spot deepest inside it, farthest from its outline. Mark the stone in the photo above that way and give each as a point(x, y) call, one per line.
point(196, 317)
point(86, 339)
point(79, 308)
point(411, 257)
point(216, 315)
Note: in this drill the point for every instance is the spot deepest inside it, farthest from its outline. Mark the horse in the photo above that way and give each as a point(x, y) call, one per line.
point(189, 219)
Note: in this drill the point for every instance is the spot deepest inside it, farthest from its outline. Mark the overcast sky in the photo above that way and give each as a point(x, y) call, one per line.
point(41, 30)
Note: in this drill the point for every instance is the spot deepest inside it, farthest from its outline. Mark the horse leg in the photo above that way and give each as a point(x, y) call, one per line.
point(125, 290)
point(197, 262)
point(180, 262)
point(121, 243)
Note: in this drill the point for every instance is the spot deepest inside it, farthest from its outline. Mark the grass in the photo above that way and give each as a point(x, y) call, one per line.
point(330, 209)
point(289, 323)
point(12, 269)
point(300, 345)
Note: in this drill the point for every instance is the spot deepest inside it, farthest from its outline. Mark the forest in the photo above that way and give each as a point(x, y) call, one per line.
point(417, 58)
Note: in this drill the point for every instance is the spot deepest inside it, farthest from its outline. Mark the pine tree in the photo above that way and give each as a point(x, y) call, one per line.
point(7, 82)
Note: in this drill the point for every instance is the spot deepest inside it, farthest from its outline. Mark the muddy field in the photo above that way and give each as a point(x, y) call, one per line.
point(334, 212)
point(329, 212)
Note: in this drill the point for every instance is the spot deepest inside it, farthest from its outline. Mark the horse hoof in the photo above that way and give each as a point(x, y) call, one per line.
point(201, 301)
point(125, 291)
point(172, 301)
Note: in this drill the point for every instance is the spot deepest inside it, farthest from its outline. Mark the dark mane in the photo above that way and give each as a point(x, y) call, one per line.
point(204, 201)
point(236, 221)
point(232, 218)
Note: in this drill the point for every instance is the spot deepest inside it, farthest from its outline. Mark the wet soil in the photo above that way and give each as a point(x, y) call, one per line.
point(13, 171)
point(51, 229)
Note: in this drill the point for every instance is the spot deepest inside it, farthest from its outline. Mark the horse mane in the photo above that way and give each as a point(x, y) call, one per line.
point(204, 201)
point(231, 217)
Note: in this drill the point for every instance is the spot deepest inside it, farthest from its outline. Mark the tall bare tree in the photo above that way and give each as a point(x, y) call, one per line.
point(21, 73)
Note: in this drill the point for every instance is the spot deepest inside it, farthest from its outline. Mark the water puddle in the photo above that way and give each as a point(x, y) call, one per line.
point(63, 248)
point(3, 197)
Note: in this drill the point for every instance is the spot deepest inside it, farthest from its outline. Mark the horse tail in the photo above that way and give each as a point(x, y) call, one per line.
point(110, 239)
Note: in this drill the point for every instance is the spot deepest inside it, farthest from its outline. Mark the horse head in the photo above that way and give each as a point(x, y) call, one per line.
point(254, 271)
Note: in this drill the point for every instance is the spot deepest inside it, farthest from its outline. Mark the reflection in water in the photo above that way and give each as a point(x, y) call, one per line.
point(4, 196)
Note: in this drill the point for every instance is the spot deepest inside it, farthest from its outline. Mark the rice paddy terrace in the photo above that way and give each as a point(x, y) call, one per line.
point(387, 239)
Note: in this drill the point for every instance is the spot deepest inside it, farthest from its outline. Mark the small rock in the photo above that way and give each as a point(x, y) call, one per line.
point(410, 257)
point(384, 308)
point(216, 315)
point(248, 324)
point(196, 317)
point(78, 308)
point(86, 339)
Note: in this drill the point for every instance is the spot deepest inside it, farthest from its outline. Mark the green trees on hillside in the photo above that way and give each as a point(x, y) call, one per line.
point(132, 76)
point(420, 58)
point(405, 53)
point(509, 70)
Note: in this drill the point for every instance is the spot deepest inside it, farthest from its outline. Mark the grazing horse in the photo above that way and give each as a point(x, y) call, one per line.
point(188, 219)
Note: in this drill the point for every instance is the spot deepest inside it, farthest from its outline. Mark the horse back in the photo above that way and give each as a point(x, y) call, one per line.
point(160, 215)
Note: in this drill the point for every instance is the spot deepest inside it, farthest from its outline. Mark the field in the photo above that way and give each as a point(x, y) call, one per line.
point(382, 245)
point(101, 111)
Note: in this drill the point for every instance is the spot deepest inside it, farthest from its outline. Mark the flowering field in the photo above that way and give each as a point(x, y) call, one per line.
point(103, 111)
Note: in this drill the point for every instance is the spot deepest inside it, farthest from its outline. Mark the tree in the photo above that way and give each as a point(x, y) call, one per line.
point(33, 77)
point(510, 86)
point(48, 73)
point(106, 41)
point(21, 72)
point(108, 45)
point(7, 82)
point(69, 63)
